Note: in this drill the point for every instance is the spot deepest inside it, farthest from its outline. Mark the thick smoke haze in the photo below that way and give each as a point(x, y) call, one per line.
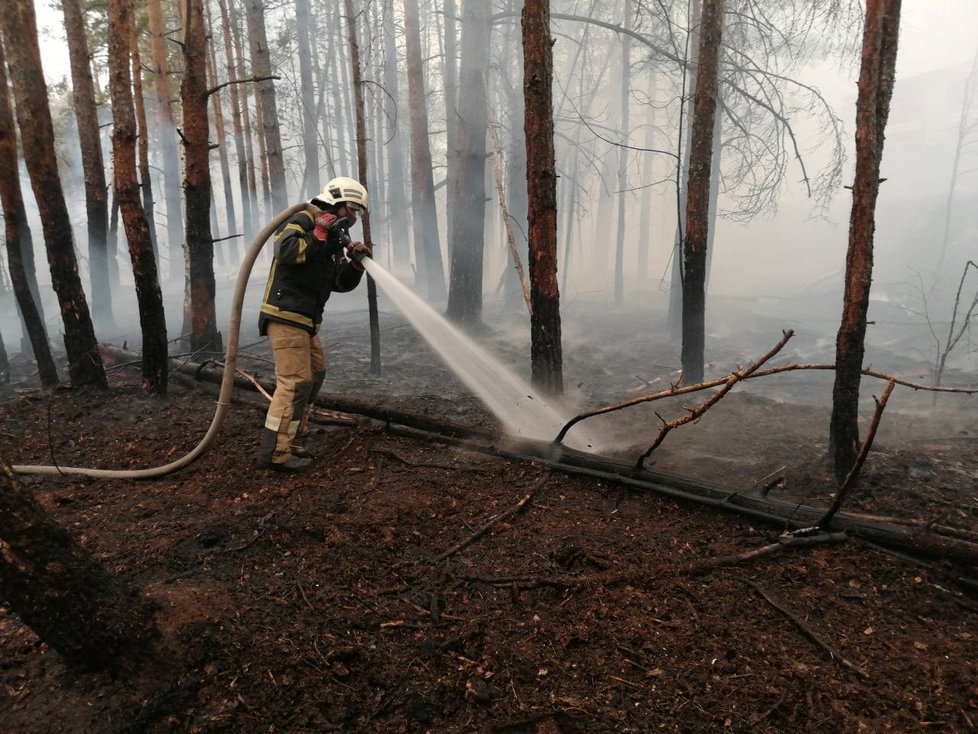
point(788, 260)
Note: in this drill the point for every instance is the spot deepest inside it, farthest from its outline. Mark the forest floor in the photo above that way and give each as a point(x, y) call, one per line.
point(339, 599)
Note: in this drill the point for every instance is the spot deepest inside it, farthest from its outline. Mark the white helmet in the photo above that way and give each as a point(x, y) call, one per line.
point(342, 190)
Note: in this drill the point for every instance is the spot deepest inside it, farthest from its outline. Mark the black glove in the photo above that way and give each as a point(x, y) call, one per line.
point(356, 251)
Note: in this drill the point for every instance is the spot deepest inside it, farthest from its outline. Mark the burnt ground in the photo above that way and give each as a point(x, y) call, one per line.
point(318, 602)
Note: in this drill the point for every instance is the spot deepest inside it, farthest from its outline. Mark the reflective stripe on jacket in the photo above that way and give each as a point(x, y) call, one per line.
point(304, 272)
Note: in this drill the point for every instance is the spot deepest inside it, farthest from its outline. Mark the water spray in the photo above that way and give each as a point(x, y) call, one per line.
point(524, 414)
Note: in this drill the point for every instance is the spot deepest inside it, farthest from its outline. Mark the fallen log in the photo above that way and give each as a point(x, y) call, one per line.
point(920, 540)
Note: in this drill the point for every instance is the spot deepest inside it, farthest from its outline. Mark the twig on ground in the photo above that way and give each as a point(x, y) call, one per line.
point(784, 543)
point(432, 464)
point(302, 591)
point(805, 629)
point(489, 525)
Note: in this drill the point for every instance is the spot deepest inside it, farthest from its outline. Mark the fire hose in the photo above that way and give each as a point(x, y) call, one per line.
point(227, 381)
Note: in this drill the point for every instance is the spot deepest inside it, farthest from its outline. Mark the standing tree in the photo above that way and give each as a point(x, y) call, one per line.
point(541, 166)
point(261, 65)
point(18, 238)
point(427, 248)
point(237, 123)
point(351, 20)
point(197, 182)
point(142, 133)
point(397, 205)
point(698, 192)
point(450, 75)
point(148, 295)
point(624, 95)
point(468, 245)
point(96, 196)
point(304, 20)
point(876, 77)
point(222, 149)
point(169, 153)
point(37, 137)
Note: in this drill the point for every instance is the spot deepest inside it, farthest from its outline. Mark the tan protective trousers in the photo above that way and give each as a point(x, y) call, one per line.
point(300, 367)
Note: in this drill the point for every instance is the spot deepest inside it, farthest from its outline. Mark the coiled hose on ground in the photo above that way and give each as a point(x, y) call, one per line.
point(227, 380)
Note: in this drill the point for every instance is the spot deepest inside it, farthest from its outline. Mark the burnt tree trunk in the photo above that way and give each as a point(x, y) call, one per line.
point(698, 192)
point(18, 238)
point(149, 298)
point(142, 133)
point(427, 248)
point(96, 194)
point(90, 617)
point(541, 178)
point(876, 79)
point(37, 138)
point(468, 245)
point(197, 183)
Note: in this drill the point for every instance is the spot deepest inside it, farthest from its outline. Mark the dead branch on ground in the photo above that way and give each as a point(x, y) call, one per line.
point(783, 543)
point(431, 464)
point(699, 410)
point(805, 629)
point(496, 520)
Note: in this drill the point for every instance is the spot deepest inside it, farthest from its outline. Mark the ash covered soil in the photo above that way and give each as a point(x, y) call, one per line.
point(360, 597)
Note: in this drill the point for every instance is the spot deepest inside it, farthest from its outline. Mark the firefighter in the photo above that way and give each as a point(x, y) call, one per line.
point(313, 258)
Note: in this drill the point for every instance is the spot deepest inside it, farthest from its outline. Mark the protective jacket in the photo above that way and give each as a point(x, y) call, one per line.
point(304, 272)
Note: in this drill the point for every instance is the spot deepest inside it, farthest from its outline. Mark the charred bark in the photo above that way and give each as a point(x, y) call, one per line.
point(876, 79)
point(698, 192)
point(37, 138)
point(545, 339)
point(91, 618)
point(149, 297)
point(18, 239)
point(142, 133)
point(197, 183)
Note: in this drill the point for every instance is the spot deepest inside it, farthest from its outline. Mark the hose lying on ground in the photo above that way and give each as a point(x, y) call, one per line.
point(227, 382)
